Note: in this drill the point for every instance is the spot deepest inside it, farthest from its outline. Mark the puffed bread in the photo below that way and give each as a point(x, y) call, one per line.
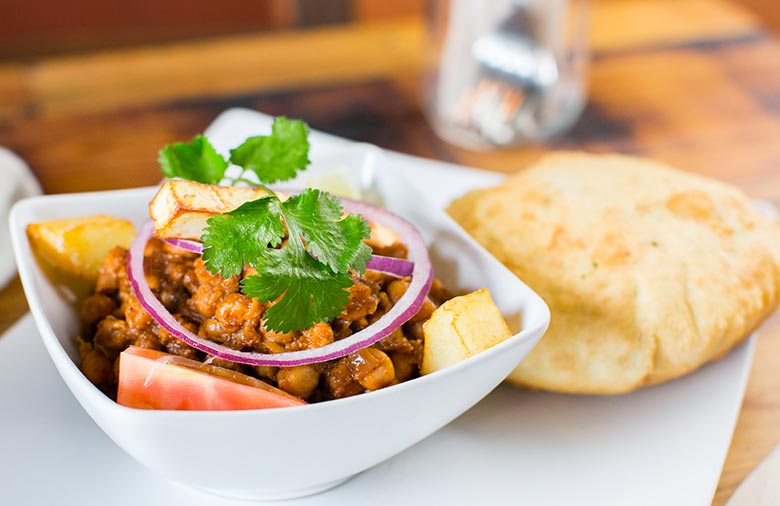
point(649, 272)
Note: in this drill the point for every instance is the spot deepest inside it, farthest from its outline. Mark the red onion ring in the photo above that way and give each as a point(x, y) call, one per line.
point(391, 265)
point(186, 244)
point(388, 265)
point(406, 307)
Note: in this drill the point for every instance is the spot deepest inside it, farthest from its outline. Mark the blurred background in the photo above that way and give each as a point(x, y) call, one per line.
point(47, 27)
point(44, 27)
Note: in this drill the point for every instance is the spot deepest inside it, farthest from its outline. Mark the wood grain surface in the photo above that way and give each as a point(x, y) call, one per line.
point(695, 83)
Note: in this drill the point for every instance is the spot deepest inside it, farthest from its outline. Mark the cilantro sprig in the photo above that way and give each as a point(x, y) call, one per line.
point(303, 248)
point(196, 160)
point(276, 157)
point(308, 274)
point(271, 158)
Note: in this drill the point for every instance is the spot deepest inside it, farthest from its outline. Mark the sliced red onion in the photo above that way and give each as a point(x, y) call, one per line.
point(406, 307)
point(391, 265)
point(388, 265)
point(186, 245)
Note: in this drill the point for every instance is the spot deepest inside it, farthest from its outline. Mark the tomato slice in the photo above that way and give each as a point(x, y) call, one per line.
point(150, 379)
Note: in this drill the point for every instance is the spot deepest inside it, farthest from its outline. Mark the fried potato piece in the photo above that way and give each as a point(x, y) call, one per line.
point(460, 328)
point(181, 208)
point(77, 246)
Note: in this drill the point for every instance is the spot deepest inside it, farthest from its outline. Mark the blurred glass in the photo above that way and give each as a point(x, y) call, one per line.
point(506, 72)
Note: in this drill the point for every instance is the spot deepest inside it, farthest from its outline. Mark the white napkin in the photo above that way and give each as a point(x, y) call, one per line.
point(762, 486)
point(16, 182)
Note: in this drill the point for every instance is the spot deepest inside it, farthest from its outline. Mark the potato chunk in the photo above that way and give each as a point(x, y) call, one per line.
point(77, 246)
point(461, 328)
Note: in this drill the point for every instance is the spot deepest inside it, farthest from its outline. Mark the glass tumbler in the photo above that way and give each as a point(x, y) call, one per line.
point(505, 72)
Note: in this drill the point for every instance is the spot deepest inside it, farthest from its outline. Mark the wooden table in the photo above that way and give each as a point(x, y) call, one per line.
point(695, 83)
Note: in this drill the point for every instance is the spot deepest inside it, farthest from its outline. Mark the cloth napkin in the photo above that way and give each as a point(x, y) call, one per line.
point(16, 182)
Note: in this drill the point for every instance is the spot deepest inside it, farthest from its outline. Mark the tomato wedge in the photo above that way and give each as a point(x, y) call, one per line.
point(150, 379)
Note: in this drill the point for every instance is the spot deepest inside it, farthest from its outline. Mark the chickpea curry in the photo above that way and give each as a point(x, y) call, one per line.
point(214, 308)
point(300, 297)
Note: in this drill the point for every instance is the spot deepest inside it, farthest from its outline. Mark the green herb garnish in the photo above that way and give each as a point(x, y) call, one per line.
point(307, 275)
point(196, 160)
point(276, 157)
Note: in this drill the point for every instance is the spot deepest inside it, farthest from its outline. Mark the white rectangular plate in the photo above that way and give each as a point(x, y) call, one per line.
point(662, 445)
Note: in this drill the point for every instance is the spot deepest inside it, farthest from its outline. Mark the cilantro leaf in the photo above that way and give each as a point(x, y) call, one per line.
point(242, 236)
point(305, 290)
point(196, 160)
point(305, 277)
point(278, 156)
point(335, 241)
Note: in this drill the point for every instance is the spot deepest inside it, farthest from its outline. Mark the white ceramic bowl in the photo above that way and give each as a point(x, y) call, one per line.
point(289, 452)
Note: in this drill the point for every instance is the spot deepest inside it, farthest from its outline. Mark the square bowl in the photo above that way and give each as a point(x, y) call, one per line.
point(290, 452)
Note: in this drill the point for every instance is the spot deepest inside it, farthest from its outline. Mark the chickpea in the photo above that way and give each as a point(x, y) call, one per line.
point(98, 368)
point(397, 288)
point(372, 368)
point(281, 338)
point(414, 330)
point(213, 330)
point(136, 317)
point(266, 371)
point(340, 381)
point(147, 340)
point(112, 336)
point(299, 380)
point(396, 341)
point(362, 302)
point(403, 365)
point(318, 336)
point(235, 310)
point(95, 308)
point(439, 292)
point(205, 298)
point(111, 271)
point(191, 281)
point(425, 312)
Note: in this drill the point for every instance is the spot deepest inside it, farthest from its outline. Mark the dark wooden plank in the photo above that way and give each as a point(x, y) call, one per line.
point(647, 103)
